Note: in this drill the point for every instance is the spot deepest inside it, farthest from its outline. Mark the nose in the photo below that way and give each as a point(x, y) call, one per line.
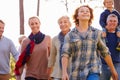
point(62, 24)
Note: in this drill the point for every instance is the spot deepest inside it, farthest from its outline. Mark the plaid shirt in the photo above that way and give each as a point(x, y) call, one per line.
point(84, 52)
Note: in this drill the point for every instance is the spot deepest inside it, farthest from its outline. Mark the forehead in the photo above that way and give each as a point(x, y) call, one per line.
point(63, 18)
point(34, 19)
point(83, 8)
point(112, 18)
point(1, 24)
point(108, 0)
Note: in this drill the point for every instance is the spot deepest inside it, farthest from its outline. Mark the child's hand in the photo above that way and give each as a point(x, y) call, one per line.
point(118, 34)
point(104, 34)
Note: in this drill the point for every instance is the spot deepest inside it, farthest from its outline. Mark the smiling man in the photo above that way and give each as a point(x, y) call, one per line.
point(112, 23)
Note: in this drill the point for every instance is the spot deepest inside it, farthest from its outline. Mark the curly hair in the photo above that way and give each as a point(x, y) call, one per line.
point(76, 21)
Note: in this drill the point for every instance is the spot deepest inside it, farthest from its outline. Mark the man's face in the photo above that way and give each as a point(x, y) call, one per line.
point(1, 29)
point(112, 23)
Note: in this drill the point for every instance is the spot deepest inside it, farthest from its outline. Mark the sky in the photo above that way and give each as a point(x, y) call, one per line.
point(50, 11)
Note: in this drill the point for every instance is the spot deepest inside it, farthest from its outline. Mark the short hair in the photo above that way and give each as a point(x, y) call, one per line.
point(1, 21)
point(105, 1)
point(65, 16)
point(111, 15)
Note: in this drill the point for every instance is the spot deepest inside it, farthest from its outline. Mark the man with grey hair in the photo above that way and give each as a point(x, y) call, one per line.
point(112, 24)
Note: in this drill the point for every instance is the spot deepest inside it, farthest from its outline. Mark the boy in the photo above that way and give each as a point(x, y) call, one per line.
point(109, 10)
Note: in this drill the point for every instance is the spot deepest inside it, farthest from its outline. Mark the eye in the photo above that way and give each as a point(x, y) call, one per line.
point(36, 23)
point(32, 24)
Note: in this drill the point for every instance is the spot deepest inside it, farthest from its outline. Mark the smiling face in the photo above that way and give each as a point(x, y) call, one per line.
point(112, 22)
point(84, 14)
point(34, 24)
point(1, 28)
point(64, 24)
point(108, 3)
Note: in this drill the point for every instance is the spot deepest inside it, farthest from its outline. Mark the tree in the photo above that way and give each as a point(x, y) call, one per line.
point(38, 6)
point(117, 5)
point(21, 13)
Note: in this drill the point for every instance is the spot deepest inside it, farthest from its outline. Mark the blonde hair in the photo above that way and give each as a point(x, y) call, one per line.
point(20, 39)
point(105, 1)
point(33, 18)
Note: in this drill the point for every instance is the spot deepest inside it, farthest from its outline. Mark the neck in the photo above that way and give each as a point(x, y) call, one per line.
point(65, 32)
point(35, 32)
point(110, 9)
point(0, 36)
point(83, 26)
point(111, 30)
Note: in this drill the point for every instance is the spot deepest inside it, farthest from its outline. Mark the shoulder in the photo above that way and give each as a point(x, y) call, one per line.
point(7, 39)
point(25, 41)
point(48, 37)
point(105, 12)
point(55, 37)
point(116, 11)
point(96, 30)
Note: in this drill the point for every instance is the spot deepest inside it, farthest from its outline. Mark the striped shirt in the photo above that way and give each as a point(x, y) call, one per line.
point(84, 52)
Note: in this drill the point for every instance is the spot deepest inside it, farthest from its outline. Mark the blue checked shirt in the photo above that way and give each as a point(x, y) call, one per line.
point(84, 52)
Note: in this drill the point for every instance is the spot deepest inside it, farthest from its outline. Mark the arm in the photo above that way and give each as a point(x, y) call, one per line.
point(23, 46)
point(105, 54)
point(64, 68)
point(66, 50)
point(102, 20)
point(14, 51)
point(49, 69)
point(108, 60)
point(52, 56)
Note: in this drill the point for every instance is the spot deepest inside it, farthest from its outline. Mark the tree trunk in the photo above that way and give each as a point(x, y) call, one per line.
point(21, 13)
point(66, 5)
point(117, 5)
point(38, 7)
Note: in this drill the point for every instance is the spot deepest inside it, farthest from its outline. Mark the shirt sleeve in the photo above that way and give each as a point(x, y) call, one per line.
point(14, 51)
point(102, 46)
point(66, 51)
point(53, 53)
point(102, 20)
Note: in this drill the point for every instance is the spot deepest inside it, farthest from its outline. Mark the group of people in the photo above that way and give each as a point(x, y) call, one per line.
point(81, 53)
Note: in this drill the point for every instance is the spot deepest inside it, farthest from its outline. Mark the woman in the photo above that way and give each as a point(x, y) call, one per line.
point(34, 53)
point(56, 50)
point(82, 44)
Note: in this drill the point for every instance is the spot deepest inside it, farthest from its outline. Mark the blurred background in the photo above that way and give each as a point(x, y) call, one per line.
point(15, 14)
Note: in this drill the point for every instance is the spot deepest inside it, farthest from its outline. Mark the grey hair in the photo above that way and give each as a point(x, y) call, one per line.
point(111, 15)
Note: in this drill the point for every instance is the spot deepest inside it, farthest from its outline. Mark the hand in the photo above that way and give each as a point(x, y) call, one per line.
point(118, 34)
point(65, 76)
point(50, 78)
point(103, 34)
point(49, 70)
point(114, 75)
point(18, 77)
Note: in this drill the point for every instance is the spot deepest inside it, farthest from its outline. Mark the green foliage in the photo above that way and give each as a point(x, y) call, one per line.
point(12, 66)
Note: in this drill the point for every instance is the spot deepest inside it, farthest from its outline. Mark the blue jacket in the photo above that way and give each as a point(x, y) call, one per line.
point(104, 15)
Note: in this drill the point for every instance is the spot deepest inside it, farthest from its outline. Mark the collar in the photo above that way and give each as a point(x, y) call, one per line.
point(1, 37)
point(90, 28)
